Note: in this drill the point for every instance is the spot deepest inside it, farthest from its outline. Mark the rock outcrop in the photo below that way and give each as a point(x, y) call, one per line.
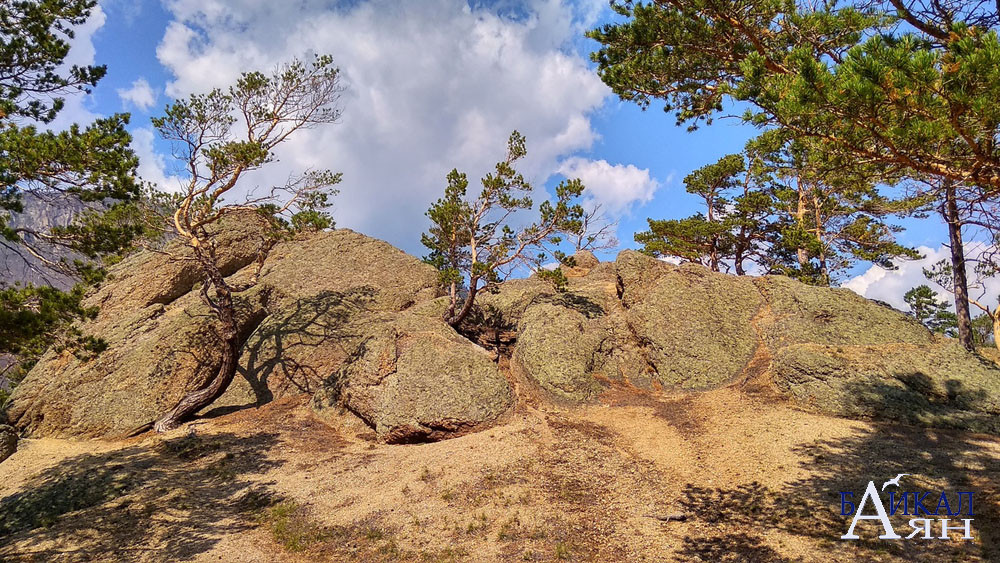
point(160, 339)
point(413, 378)
point(356, 324)
point(320, 300)
point(648, 324)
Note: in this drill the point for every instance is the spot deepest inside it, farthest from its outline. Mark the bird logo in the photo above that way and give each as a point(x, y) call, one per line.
point(894, 481)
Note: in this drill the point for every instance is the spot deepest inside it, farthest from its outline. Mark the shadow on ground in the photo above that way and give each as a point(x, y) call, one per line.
point(936, 459)
point(167, 502)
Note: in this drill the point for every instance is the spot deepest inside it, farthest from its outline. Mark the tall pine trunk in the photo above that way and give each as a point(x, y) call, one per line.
point(959, 280)
point(996, 328)
point(820, 232)
point(800, 218)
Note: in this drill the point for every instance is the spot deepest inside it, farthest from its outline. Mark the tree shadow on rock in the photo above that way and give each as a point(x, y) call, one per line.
point(283, 347)
point(173, 501)
point(580, 303)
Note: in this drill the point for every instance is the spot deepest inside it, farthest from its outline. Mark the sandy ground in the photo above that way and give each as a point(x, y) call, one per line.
point(755, 479)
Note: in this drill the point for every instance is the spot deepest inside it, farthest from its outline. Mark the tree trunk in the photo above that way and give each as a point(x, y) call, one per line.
point(207, 395)
point(455, 320)
point(452, 300)
point(217, 385)
point(713, 255)
point(800, 217)
point(996, 327)
point(820, 231)
point(959, 280)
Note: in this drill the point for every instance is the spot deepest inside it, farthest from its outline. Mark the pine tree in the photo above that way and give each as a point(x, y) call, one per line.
point(708, 238)
point(91, 163)
point(220, 137)
point(474, 243)
point(894, 92)
point(934, 314)
point(775, 207)
point(829, 216)
point(911, 88)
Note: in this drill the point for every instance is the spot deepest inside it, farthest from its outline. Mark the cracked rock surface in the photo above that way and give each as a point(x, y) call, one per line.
point(413, 379)
point(644, 323)
point(355, 324)
point(322, 301)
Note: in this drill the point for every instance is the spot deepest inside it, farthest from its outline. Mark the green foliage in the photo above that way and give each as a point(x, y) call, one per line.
point(982, 330)
point(779, 206)
point(225, 133)
point(220, 137)
point(940, 273)
point(91, 164)
point(556, 277)
point(881, 94)
point(475, 242)
point(36, 41)
point(911, 91)
point(37, 317)
point(934, 314)
point(313, 211)
point(291, 526)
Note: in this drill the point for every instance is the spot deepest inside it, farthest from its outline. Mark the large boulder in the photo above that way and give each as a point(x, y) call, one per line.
point(697, 327)
point(324, 292)
point(839, 353)
point(299, 324)
point(413, 378)
point(160, 339)
point(571, 343)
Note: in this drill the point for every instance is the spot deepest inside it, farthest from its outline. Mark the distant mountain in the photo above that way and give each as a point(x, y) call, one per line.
point(41, 214)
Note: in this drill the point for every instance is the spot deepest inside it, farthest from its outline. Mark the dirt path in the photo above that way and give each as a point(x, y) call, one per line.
point(756, 480)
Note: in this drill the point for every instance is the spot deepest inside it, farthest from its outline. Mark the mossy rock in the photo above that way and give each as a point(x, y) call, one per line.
point(696, 326)
point(315, 292)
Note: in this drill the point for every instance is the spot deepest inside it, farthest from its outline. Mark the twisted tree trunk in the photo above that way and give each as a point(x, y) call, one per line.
point(197, 400)
point(456, 319)
point(228, 333)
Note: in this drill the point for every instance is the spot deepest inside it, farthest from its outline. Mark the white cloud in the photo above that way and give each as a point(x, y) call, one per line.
point(433, 85)
point(153, 167)
point(127, 10)
point(615, 186)
point(81, 53)
point(140, 95)
point(891, 285)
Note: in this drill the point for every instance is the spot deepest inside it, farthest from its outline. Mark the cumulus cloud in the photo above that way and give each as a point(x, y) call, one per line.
point(614, 186)
point(432, 85)
point(81, 53)
point(891, 285)
point(140, 95)
point(154, 167)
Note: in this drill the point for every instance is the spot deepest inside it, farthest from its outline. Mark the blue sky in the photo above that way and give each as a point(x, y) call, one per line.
point(432, 85)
